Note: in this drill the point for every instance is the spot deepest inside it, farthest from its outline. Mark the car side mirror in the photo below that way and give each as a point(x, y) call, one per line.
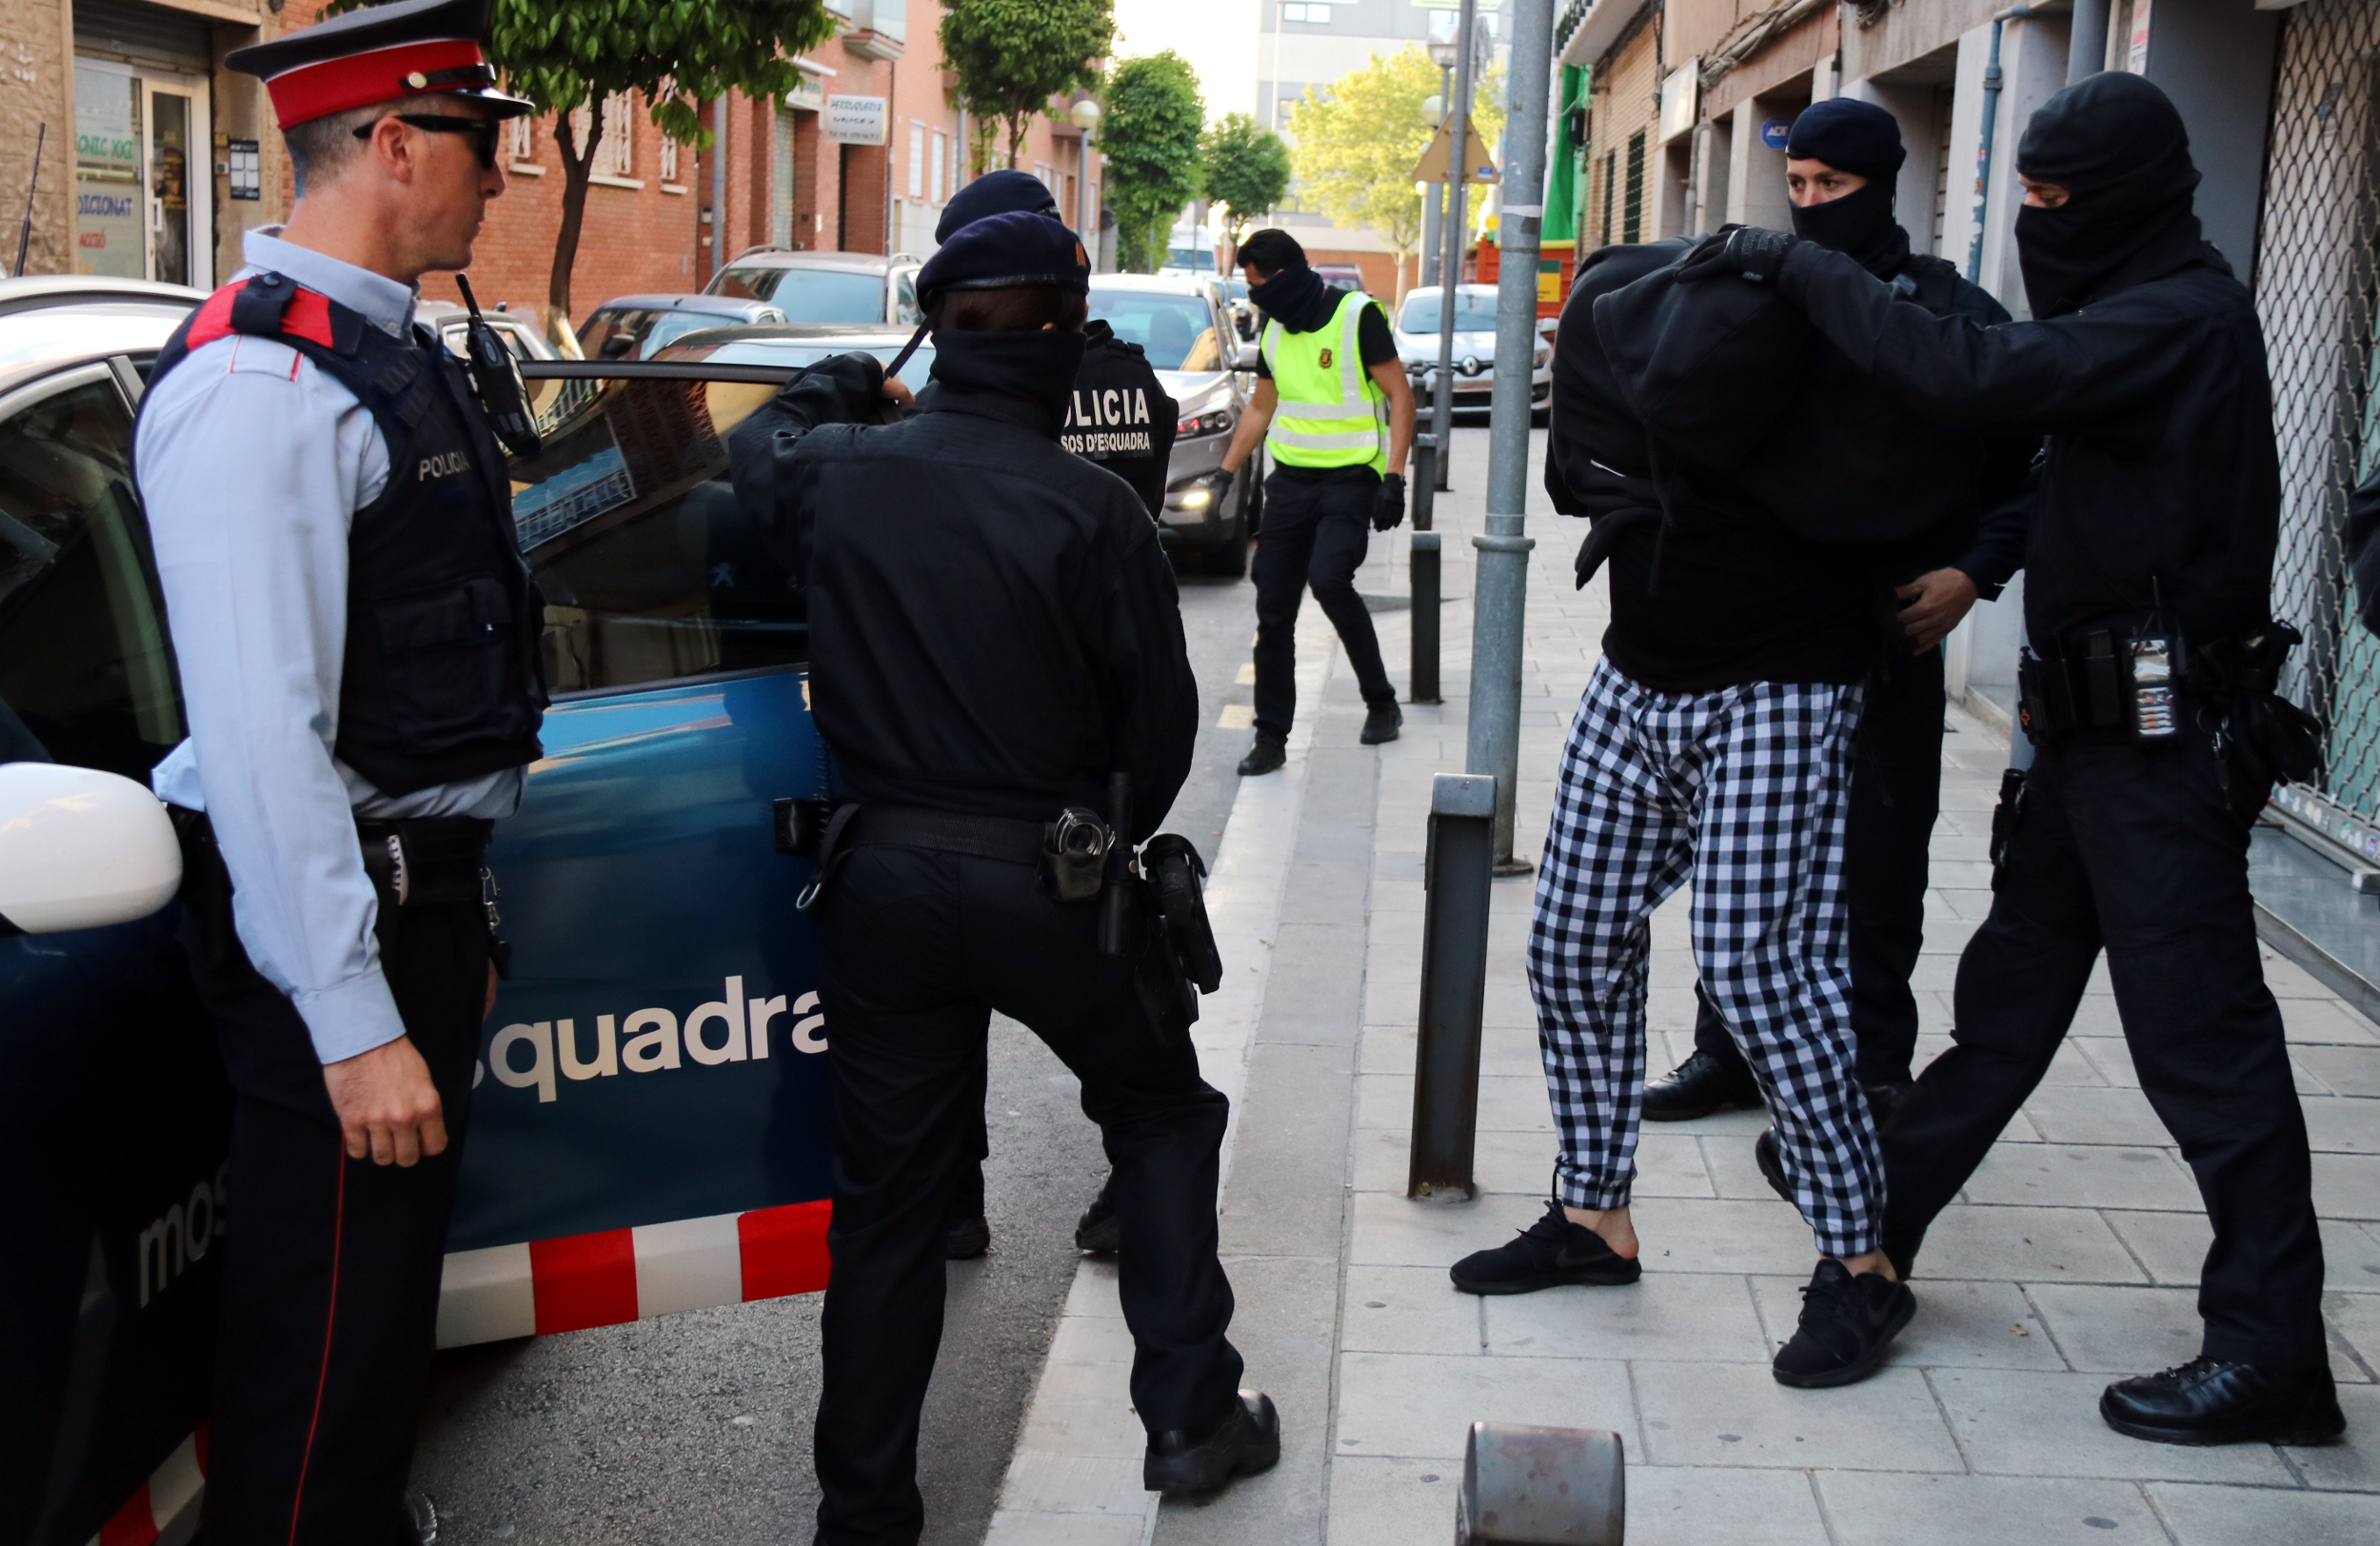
point(1249, 357)
point(81, 849)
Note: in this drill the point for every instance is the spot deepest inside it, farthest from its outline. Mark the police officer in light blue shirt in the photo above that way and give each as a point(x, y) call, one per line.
point(357, 638)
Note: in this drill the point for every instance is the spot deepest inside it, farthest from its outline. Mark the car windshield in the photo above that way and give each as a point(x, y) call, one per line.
point(1175, 331)
point(1472, 313)
point(807, 294)
point(793, 353)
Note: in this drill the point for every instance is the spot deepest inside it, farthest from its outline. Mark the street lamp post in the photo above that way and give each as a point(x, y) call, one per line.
point(1085, 115)
point(1501, 587)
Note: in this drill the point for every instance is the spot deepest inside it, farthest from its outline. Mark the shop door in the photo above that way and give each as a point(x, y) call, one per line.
point(141, 201)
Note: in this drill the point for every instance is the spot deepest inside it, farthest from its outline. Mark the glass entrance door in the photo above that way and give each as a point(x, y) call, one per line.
point(142, 196)
point(173, 200)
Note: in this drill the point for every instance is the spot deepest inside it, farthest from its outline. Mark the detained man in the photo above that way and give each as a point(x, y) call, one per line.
point(2150, 700)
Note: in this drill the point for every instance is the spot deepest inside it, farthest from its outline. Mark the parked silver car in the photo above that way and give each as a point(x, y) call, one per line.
point(1415, 327)
point(632, 326)
point(852, 290)
point(1183, 325)
point(517, 329)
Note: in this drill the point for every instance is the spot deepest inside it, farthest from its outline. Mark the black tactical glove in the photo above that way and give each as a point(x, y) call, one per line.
point(1219, 484)
point(1388, 505)
point(1758, 255)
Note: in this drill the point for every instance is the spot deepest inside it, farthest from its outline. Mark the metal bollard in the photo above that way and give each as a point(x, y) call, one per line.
point(1455, 877)
point(1525, 1486)
point(1425, 604)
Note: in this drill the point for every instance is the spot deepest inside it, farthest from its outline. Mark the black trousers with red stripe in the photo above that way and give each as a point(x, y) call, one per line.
point(331, 1265)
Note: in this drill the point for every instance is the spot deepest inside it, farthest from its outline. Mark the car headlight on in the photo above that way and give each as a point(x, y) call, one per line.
point(1213, 422)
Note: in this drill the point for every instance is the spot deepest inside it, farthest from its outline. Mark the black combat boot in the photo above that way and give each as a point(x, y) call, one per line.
point(1267, 754)
point(970, 1232)
point(1385, 722)
point(1699, 1087)
point(1100, 1230)
point(1248, 1441)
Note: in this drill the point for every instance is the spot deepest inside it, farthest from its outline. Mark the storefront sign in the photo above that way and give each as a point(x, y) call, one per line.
point(855, 120)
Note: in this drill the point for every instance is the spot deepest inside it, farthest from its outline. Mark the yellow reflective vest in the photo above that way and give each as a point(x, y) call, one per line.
point(1332, 413)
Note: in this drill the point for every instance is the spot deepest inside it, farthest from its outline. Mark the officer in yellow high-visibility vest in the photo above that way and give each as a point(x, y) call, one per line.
point(1333, 406)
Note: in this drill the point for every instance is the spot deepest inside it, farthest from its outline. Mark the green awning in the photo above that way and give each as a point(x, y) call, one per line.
point(1564, 169)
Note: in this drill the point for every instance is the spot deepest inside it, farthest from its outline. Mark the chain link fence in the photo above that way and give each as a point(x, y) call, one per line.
point(2317, 286)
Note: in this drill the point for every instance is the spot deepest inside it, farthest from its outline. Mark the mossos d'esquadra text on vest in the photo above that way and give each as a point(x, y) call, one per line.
point(1101, 422)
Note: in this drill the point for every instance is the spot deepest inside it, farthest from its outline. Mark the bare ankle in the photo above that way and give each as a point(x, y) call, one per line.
point(1612, 1225)
point(1875, 1262)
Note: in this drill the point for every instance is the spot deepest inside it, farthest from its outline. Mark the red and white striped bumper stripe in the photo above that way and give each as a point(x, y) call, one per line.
point(615, 1275)
point(165, 1508)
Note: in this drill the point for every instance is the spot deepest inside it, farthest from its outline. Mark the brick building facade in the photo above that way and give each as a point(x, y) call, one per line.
point(144, 121)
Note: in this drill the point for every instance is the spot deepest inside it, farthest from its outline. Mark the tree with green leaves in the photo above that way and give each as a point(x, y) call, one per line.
point(1149, 137)
point(674, 55)
point(1011, 56)
point(1245, 167)
point(1356, 141)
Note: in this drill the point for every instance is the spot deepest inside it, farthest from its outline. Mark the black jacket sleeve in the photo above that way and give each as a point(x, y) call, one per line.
point(1998, 550)
point(2068, 370)
point(1150, 688)
point(770, 482)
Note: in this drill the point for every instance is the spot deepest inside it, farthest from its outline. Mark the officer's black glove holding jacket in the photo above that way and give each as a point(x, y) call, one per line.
point(1220, 483)
point(1748, 250)
point(1388, 505)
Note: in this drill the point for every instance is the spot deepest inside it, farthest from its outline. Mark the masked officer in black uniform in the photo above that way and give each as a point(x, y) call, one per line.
point(994, 634)
point(1937, 573)
point(2148, 578)
point(1136, 449)
point(357, 639)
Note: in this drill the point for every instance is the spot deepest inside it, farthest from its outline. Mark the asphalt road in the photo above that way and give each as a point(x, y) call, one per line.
point(696, 1428)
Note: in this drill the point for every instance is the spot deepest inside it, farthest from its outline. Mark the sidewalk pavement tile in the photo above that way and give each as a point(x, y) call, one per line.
point(1075, 1484)
point(2353, 1466)
point(2355, 1316)
point(2024, 1245)
point(2340, 1126)
point(1709, 1505)
point(2287, 980)
point(1869, 1509)
point(1508, 1103)
point(2084, 1175)
point(2068, 1066)
point(2015, 1422)
point(2121, 1331)
point(2112, 1056)
point(1392, 1231)
point(1066, 1530)
point(1509, 1163)
point(1970, 1325)
point(1737, 1415)
point(2174, 1245)
point(1700, 1235)
point(1423, 1405)
point(1665, 1316)
point(1387, 1502)
point(1408, 1310)
point(2072, 1115)
point(2323, 1022)
point(2228, 1516)
point(2347, 1185)
point(2347, 1070)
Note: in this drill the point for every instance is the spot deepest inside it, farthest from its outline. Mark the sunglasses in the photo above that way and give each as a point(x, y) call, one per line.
point(482, 130)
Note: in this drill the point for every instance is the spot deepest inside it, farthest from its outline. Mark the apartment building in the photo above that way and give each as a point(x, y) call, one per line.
point(155, 158)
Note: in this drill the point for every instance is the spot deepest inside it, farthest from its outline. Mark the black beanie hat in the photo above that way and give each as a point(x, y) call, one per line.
point(1001, 250)
point(1849, 135)
point(995, 193)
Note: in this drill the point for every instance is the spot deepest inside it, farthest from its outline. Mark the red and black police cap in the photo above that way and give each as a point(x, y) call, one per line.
point(1005, 251)
point(379, 53)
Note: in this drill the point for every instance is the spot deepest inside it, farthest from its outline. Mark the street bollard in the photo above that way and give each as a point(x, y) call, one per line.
point(1425, 600)
point(1454, 878)
point(1525, 1486)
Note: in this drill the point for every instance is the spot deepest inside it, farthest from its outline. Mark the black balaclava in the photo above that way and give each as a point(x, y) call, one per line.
point(2115, 144)
point(1292, 297)
point(1862, 138)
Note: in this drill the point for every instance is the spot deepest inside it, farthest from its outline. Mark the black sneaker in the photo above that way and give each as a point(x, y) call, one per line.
point(1548, 1254)
point(1846, 1324)
point(1697, 1087)
point(1100, 1231)
point(1771, 1159)
point(1248, 1442)
point(1385, 721)
point(1885, 1096)
point(2206, 1402)
point(1266, 755)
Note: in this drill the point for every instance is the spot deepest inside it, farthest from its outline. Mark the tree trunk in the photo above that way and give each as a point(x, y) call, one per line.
point(1017, 123)
point(575, 167)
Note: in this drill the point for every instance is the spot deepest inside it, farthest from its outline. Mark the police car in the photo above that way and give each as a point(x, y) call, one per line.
point(648, 1129)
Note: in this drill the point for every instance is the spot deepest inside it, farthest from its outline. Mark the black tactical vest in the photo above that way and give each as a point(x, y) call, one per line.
point(441, 680)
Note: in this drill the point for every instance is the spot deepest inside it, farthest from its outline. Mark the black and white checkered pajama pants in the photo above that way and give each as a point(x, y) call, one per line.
point(1743, 793)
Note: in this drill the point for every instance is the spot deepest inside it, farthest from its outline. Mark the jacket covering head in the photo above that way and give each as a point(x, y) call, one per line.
point(1005, 192)
point(2116, 145)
